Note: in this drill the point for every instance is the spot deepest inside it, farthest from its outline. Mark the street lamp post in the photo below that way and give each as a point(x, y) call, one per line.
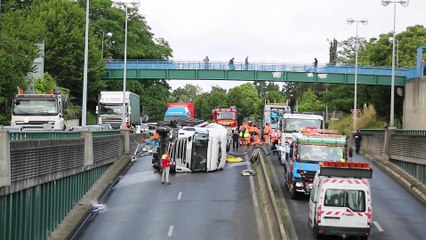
point(109, 35)
point(365, 22)
point(404, 3)
point(125, 4)
point(397, 50)
point(86, 60)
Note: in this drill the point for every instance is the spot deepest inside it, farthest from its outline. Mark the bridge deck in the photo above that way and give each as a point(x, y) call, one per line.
point(339, 74)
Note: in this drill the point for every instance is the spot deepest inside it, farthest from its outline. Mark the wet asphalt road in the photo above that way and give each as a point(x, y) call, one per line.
point(214, 205)
point(397, 214)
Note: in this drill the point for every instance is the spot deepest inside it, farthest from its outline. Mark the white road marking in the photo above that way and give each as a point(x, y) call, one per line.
point(179, 196)
point(378, 226)
point(170, 231)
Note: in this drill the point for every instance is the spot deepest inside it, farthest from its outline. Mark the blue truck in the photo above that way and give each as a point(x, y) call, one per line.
point(305, 153)
point(176, 113)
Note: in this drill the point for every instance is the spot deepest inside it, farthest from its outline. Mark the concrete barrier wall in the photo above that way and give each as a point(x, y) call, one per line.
point(373, 144)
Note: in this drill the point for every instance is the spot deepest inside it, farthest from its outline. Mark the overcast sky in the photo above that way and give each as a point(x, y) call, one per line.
point(268, 31)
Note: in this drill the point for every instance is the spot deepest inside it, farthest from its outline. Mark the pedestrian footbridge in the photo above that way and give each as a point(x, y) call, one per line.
point(193, 70)
point(279, 72)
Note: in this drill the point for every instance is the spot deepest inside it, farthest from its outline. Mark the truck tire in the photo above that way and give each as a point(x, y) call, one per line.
point(292, 191)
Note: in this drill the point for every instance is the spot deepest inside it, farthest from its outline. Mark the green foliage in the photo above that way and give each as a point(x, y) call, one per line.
point(185, 94)
point(367, 119)
point(18, 49)
point(274, 96)
point(246, 99)
point(310, 103)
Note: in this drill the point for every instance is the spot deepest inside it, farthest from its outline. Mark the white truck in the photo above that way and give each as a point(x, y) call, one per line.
point(340, 202)
point(39, 111)
point(294, 123)
point(110, 108)
point(274, 112)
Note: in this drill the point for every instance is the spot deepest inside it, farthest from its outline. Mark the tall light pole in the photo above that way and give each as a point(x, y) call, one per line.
point(86, 60)
point(109, 35)
point(404, 3)
point(397, 50)
point(365, 22)
point(135, 5)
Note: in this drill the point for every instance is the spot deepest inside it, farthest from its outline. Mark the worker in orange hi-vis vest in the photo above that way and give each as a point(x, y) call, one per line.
point(165, 164)
point(266, 133)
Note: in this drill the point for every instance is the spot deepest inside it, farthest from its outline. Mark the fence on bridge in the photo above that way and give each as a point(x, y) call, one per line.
point(404, 148)
point(44, 175)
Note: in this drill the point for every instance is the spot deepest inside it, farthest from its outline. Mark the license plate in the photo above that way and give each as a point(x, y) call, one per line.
point(330, 220)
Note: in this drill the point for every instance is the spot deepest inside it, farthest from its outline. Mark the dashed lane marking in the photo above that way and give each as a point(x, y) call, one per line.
point(378, 226)
point(170, 233)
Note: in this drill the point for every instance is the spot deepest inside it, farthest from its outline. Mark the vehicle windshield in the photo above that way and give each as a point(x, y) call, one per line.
point(199, 152)
point(295, 124)
point(353, 199)
point(317, 153)
point(35, 107)
point(111, 109)
point(225, 115)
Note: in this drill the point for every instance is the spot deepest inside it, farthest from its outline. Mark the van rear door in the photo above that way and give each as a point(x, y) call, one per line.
point(345, 208)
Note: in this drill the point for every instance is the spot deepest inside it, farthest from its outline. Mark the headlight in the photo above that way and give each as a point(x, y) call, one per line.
point(299, 184)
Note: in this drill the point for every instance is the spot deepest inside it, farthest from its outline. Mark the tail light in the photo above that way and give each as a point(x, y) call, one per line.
point(319, 213)
point(369, 217)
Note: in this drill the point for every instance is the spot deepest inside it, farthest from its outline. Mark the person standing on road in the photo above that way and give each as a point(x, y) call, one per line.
point(165, 163)
point(358, 138)
point(235, 140)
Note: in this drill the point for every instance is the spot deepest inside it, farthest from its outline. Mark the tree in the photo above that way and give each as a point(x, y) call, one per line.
point(246, 100)
point(310, 103)
point(18, 49)
point(185, 94)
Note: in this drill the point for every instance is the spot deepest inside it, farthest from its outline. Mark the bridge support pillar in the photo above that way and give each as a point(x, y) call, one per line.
point(5, 172)
point(88, 148)
point(388, 137)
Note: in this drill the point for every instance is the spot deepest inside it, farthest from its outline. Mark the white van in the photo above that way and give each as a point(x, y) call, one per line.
point(340, 201)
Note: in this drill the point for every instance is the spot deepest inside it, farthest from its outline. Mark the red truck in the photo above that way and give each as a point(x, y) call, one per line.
point(189, 105)
point(227, 117)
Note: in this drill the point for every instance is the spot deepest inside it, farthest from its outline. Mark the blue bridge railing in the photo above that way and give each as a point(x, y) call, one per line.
point(281, 67)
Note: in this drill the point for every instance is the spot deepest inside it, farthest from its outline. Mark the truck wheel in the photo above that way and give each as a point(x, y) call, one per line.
point(292, 191)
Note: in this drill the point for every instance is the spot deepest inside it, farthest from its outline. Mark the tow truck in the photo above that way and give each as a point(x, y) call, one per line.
point(304, 155)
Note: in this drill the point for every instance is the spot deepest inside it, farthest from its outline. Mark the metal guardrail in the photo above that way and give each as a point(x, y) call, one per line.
point(405, 132)
point(30, 135)
point(372, 131)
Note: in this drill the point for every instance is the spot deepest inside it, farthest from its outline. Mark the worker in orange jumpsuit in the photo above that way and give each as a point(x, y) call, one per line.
point(266, 133)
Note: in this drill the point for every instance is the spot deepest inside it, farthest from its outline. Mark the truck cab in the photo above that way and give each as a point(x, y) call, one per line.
point(39, 112)
point(340, 202)
point(294, 123)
